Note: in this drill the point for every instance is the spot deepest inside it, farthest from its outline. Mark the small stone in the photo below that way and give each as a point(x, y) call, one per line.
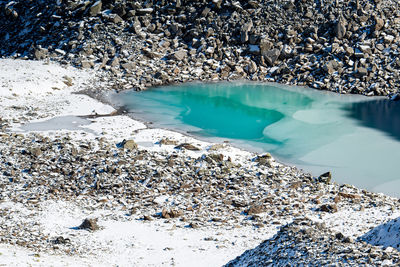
point(339, 236)
point(86, 64)
point(115, 18)
point(166, 141)
point(193, 225)
point(36, 152)
point(188, 147)
point(165, 214)
point(61, 240)
point(68, 81)
point(130, 144)
point(252, 67)
point(265, 46)
point(41, 53)
point(89, 224)
point(244, 34)
point(379, 23)
point(361, 71)
point(350, 196)
point(331, 208)
point(265, 159)
point(179, 55)
point(340, 28)
point(325, 178)
point(255, 209)
point(147, 218)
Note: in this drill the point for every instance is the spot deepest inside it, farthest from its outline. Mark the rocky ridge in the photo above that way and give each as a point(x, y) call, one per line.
point(314, 245)
point(341, 46)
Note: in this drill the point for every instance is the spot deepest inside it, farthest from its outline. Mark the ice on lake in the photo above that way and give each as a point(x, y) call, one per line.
point(354, 137)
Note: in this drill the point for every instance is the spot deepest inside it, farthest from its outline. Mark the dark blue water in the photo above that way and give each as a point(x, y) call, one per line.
point(355, 137)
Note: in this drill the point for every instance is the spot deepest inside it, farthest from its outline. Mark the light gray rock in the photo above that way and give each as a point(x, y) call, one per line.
point(95, 8)
point(340, 27)
point(179, 55)
point(244, 33)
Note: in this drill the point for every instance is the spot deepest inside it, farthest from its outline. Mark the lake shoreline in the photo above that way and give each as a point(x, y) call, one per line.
point(221, 193)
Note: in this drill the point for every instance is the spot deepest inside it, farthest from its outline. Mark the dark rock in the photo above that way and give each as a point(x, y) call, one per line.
point(361, 72)
point(61, 240)
point(187, 146)
point(331, 208)
point(193, 225)
point(339, 236)
point(271, 56)
point(264, 159)
point(325, 178)
point(89, 224)
point(239, 203)
point(147, 218)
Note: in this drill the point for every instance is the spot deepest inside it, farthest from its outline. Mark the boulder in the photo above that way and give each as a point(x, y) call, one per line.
point(379, 23)
point(271, 56)
point(244, 32)
point(41, 53)
point(330, 67)
point(95, 8)
point(179, 55)
point(265, 45)
point(89, 224)
point(340, 27)
point(251, 67)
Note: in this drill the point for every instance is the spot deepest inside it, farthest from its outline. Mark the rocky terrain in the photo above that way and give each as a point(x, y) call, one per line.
point(112, 189)
point(341, 46)
point(209, 191)
point(314, 245)
point(126, 173)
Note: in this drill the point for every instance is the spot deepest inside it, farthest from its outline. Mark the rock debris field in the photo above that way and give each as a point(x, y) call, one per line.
point(341, 46)
point(114, 192)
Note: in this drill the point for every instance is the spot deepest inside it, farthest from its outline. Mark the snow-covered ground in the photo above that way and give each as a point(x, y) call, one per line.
point(32, 92)
point(37, 92)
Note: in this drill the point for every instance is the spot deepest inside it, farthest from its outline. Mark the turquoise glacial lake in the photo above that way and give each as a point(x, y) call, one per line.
point(355, 137)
